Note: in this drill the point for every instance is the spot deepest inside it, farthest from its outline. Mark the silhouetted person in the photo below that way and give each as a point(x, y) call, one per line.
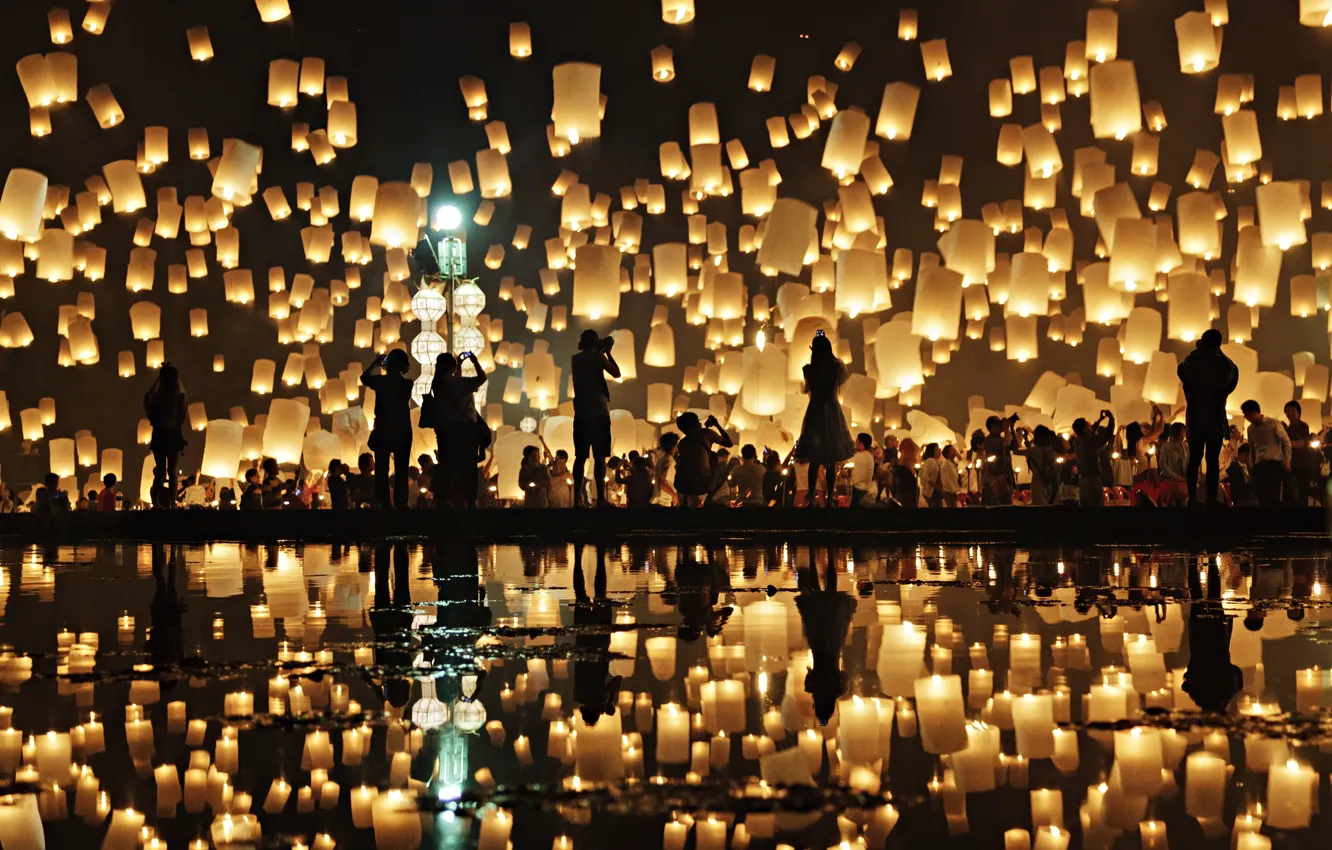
point(106, 497)
point(164, 405)
point(337, 485)
point(50, 498)
point(1093, 438)
point(694, 458)
point(825, 615)
point(391, 619)
point(1210, 679)
point(1209, 377)
point(595, 690)
point(825, 441)
point(1269, 452)
point(392, 435)
point(592, 427)
point(1304, 459)
point(166, 634)
point(457, 428)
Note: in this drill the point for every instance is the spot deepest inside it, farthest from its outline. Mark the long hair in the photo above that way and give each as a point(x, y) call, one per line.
point(821, 351)
point(164, 397)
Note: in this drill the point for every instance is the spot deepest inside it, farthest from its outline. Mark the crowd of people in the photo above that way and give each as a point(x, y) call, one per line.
point(696, 465)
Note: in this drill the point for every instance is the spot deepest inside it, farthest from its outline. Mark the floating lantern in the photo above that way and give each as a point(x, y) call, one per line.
point(761, 72)
point(935, 56)
point(577, 110)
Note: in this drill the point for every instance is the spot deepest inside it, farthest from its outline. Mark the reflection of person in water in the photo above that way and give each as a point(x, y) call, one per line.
point(166, 635)
point(697, 586)
point(595, 690)
point(825, 614)
point(391, 619)
point(1210, 679)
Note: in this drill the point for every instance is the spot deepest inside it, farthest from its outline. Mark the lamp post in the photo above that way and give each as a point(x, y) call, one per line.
point(452, 255)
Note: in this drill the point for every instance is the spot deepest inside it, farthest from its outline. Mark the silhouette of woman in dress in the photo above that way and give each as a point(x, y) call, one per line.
point(164, 405)
point(825, 614)
point(825, 441)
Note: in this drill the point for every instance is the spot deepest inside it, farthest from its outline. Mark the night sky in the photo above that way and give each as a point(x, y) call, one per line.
point(403, 61)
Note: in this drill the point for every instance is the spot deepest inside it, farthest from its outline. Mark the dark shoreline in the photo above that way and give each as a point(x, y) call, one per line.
point(1199, 529)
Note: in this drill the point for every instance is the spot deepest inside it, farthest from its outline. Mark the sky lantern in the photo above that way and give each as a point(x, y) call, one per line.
point(761, 72)
point(1199, 42)
point(845, 147)
point(577, 109)
point(1102, 42)
point(273, 11)
point(21, 205)
point(1116, 111)
point(937, 311)
point(1279, 214)
point(934, 54)
point(520, 40)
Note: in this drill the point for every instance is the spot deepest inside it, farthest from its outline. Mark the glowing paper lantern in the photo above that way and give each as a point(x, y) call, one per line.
point(145, 320)
point(596, 290)
point(35, 77)
point(21, 205)
point(236, 172)
point(284, 430)
point(272, 11)
point(1116, 111)
point(1199, 42)
point(283, 82)
point(395, 216)
point(677, 11)
point(1142, 335)
point(897, 355)
point(1161, 385)
point(492, 172)
point(222, 448)
point(577, 107)
point(760, 73)
point(660, 349)
point(845, 148)
point(862, 282)
point(1257, 267)
point(937, 310)
point(1279, 213)
point(787, 236)
point(935, 56)
point(1189, 306)
point(897, 111)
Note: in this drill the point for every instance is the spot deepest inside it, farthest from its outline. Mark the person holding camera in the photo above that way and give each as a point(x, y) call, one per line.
point(997, 478)
point(392, 434)
point(1093, 439)
point(694, 457)
point(592, 425)
point(458, 429)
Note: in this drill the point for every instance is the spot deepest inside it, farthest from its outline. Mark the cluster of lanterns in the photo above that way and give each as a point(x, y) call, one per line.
point(1154, 277)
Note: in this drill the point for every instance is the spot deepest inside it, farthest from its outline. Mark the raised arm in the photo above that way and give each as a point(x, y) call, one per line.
point(369, 372)
point(480, 377)
point(612, 368)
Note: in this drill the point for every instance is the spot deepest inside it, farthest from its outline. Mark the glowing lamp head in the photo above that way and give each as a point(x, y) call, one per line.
point(448, 217)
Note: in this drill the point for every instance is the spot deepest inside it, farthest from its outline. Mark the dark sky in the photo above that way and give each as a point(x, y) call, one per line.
point(403, 60)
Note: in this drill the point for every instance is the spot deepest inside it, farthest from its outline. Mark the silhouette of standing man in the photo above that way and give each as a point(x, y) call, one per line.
point(392, 435)
point(592, 425)
point(1208, 376)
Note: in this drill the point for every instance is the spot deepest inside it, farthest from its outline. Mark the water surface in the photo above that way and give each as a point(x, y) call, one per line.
point(469, 659)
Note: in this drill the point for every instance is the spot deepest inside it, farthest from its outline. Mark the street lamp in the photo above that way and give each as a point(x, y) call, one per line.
point(452, 257)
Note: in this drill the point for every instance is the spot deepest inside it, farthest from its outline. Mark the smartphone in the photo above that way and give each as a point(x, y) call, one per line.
point(819, 332)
